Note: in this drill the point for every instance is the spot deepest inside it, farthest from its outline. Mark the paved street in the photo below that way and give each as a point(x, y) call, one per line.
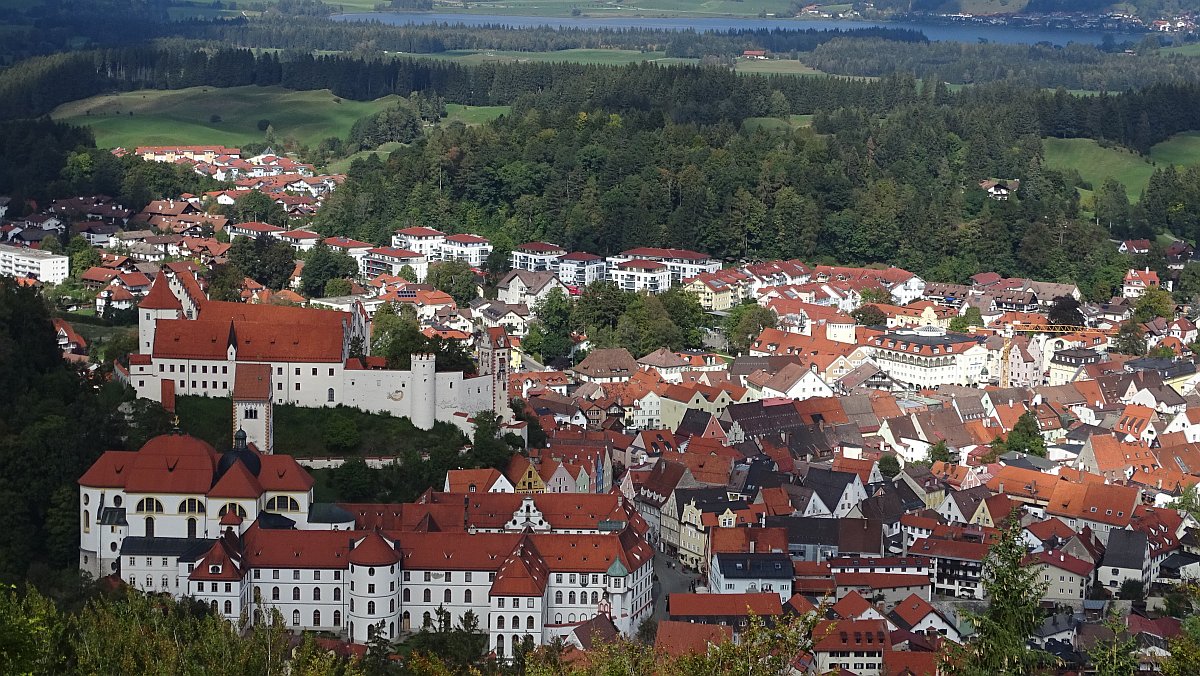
point(670, 581)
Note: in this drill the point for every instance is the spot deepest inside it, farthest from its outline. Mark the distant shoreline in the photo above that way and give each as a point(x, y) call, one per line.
point(933, 26)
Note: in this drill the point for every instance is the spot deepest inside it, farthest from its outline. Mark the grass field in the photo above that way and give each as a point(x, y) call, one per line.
point(775, 67)
point(1096, 164)
point(185, 116)
point(473, 114)
point(1181, 149)
point(775, 124)
point(1190, 49)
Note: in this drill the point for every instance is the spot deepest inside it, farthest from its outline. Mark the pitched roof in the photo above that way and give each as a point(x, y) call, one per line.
point(912, 610)
point(683, 638)
point(374, 550)
point(160, 296)
point(252, 382)
point(724, 605)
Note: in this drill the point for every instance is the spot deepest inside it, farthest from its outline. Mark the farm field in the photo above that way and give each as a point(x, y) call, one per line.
point(186, 116)
point(775, 123)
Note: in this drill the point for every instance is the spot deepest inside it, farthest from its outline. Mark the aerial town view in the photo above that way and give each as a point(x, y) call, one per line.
point(600, 337)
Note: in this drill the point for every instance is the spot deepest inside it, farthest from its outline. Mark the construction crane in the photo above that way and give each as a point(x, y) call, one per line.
point(1018, 327)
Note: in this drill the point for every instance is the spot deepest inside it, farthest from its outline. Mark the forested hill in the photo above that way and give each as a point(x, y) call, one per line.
point(1148, 10)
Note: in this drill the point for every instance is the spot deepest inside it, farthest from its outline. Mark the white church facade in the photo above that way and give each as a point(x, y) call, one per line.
point(240, 531)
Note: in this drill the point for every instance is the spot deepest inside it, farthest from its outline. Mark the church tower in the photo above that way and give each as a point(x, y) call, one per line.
point(252, 408)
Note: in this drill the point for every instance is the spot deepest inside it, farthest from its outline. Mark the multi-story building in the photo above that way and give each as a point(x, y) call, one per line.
point(1138, 281)
point(640, 275)
point(681, 263)
point(471, 249)
point(46, 267)
point(253, 229)
point(536, 257)
point(929, 357)
point(578, 269)
point(388, 260)
point(957, 566)
point(425, 241)
point(234, 531)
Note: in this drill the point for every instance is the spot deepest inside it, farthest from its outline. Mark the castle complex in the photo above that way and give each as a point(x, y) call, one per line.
point(190, 345)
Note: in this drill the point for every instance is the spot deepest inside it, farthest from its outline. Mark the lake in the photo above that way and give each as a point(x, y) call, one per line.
point(934, 31)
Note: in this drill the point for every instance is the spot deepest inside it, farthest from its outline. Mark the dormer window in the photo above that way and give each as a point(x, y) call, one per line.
point(214, 569)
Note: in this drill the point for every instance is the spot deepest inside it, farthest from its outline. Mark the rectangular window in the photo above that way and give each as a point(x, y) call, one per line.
point(297, 371)
point(449, 576)
point(224, 370)
point(297, 387)
point(193, 368)
point(316, 575)
point(275, 574)
point(256, 574)
point(428, 576)
point(314, 372)
point(337, 574)
point(500, 602)
point(331, 372)
point(296, 574)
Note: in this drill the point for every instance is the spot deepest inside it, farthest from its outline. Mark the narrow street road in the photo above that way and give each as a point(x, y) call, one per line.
point(670, 581)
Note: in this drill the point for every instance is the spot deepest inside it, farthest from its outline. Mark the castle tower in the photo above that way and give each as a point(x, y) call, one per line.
point(252, 406)
point(158, 304)
point(423, 409)
point(495, 356)
point(374, 585)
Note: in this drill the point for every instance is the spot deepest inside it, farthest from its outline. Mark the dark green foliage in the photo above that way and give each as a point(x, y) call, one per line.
point(1065, 311)
point(869, 315)
point(889, 466)
point(266, 260)
point(256, 206)
point(56, 424)
point(396, 123)
point(939, 452)
point(1014, 592)
point(455, 278)
point(744, 323)
point(322, 266)
point(1024, 437)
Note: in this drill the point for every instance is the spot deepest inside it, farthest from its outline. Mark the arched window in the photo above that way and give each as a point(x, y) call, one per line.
point(571, 618)
point(337, 593)
point(529, 622)
point(149, 526)
point(557, 618)
point(229, 607)
point(274, 593)
point(571, 598)
point(391, 605)
point(149, 506)
point(407, 596)
point(232, 507)
point(295, 593)
point(466, 595)
point(329, 395)
point(283, 503)
point(316, 618)
point(500, 646)
point(337, 618)
point(446, 597)
point(370, 607)
point(595, 597)
point(295, 618)
point(516, 622)
point(167, 583)
point(558, 597)
point(405, 621)
point(87, 521)
point(214, 607)
point(316, 593)
point(191, 527)
point(426, 620)
point(500, 622)
point(351, 605)
point(191, 506)
point(391, 629)
point(428, 596)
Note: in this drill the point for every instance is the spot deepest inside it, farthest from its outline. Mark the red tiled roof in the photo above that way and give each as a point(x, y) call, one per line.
point(913, 609)
point(853, 635)
point(717, 605)
point(374, 550)
point(237, 482)
point(252, 382)
point(281, 473)
point(160, 296)
point(172, 463)
point(684, 638)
